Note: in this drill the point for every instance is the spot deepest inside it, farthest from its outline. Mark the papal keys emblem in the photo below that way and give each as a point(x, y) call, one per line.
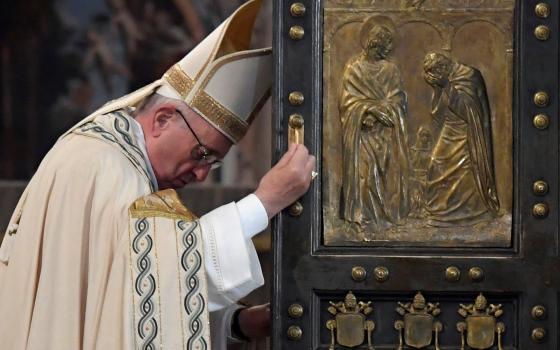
point(481, 324)
point(350, 322)
point(418, 323)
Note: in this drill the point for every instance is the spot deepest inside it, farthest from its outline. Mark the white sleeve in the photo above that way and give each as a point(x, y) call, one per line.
point(232, 264)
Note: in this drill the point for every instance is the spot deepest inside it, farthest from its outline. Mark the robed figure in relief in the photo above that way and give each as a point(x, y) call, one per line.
point(373, 109)
point(461, 184)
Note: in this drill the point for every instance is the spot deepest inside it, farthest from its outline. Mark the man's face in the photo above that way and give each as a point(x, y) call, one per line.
point(378, 46)
point(170, 146)
point(436, 74)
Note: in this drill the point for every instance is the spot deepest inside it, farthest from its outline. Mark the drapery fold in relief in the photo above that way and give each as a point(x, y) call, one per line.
point(375, 159)
point(461, 185)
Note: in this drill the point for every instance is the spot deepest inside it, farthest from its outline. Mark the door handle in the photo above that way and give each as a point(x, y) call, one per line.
point(295, 129)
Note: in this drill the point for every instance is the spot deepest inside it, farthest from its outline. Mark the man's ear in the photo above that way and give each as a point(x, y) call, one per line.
point(161, 120)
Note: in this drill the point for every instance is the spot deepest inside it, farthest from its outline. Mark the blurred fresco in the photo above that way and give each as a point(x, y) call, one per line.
point(62, 59)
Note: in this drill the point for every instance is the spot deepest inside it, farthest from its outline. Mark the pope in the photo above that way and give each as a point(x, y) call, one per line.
point(100, 253)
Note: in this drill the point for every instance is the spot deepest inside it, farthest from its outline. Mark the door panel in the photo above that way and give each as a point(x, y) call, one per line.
point(509, 255)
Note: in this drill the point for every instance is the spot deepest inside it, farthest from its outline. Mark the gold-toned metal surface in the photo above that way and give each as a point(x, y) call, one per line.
point(350, 322)
point(388, 81)
point(540, 210)
point(297, 9)
point(538, 335)
point(295, 209)
point(295, 121)
point(296, 98)
point(381, 273)
point(297, 32)
point(294, 333)
point(541, 121)
point(296, 130)
point(540, 187)
point(359, 273)
point(295, 311)
point(542, 10)
point(481, 325)
point(542, 32)
point(538, 312)
point(418, 323)
point(452, 274)
point(541, 99)
point(476, 274)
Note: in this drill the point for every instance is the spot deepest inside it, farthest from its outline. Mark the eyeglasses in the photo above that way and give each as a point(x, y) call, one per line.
point(201, 153)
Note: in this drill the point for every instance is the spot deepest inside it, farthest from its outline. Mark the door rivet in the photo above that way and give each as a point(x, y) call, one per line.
point(294, 333)
point(381, 273)
point(358, 273)
point(452, 274)
point(476, 274)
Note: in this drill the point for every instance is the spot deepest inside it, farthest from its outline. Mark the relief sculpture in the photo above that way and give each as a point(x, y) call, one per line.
point(410, 124)
point(373, 110)
point(461, 188)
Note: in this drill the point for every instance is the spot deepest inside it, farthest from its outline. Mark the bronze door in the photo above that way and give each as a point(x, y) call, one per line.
point(433, 222)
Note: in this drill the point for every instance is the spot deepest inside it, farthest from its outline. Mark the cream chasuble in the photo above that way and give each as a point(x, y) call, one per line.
point(72, 275)
point(170, 295)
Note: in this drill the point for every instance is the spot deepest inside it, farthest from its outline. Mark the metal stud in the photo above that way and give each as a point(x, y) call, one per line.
point(541, 121)
point(538, 335)
point(538, 312)
point(297, 9)
point(294, 333)
point(540, 210)
point(476, 274)
point(295, 311)
point(296, 121)
point(296, 32)
point(296, 98)
point(540, 187)
point(542, 10)
point(452, 274)
point(542, 32)
point(541, 99)
point(296, 209)
point(358, 273)
point(381, 273)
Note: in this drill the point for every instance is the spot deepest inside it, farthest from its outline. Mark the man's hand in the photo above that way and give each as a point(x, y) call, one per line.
point(368, 123)
point(288, 180)
point(254, 322)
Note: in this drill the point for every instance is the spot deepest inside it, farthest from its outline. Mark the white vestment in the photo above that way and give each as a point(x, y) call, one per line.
point(64, 268)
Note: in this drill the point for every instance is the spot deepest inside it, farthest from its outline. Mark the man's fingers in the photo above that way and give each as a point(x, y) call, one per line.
point(300, 155)
point(292, 148)
point(310, 166)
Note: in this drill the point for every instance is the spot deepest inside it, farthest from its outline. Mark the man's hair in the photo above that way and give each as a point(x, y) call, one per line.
point(437, 60)
point(150, 101)
point(380, 37)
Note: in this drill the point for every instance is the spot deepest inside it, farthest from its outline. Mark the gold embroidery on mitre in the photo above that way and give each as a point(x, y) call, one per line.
point(179, 80)
point(220, 116)
point(164, 203)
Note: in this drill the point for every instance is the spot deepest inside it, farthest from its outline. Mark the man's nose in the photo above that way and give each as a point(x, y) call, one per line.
point(201, 172)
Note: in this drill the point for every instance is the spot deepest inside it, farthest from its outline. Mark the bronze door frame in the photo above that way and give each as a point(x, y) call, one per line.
point(528, 272)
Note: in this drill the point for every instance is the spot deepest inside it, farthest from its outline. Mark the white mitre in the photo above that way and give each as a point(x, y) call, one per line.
point(221, 79)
